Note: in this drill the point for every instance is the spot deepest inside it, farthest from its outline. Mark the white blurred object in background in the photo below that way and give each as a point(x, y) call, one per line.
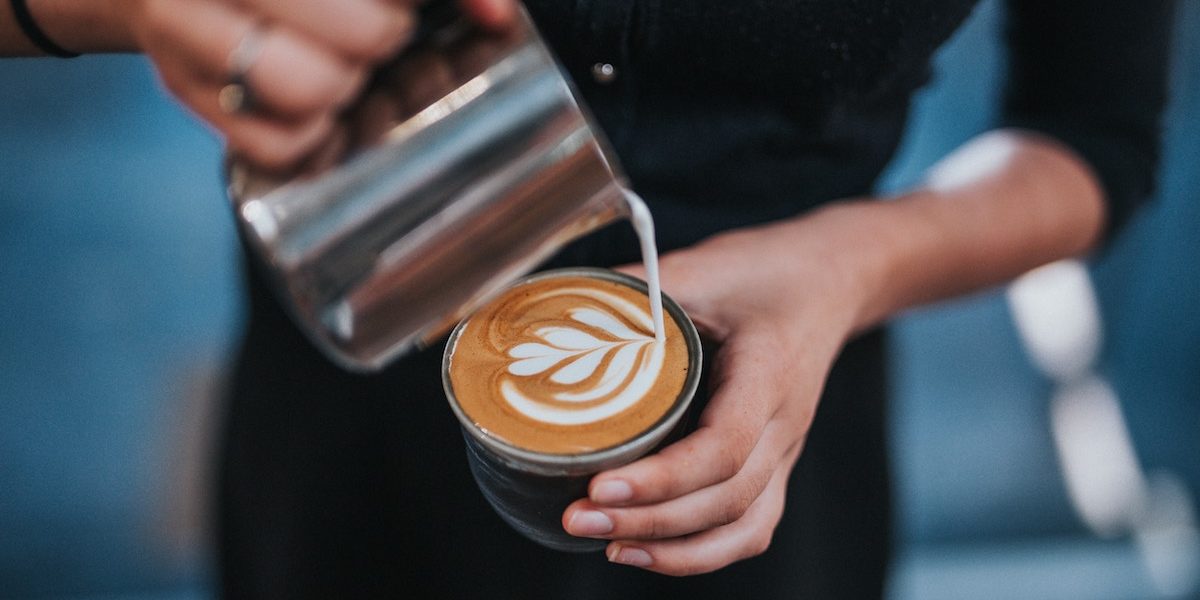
point(1057, 317)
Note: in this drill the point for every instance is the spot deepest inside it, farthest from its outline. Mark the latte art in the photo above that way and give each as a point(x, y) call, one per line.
point(567, 365)
point(603, 366)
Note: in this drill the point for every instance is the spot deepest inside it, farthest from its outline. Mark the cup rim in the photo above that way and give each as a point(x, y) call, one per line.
point(597, 460)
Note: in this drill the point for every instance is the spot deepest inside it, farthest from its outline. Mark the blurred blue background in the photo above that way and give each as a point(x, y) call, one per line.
point(120, 304)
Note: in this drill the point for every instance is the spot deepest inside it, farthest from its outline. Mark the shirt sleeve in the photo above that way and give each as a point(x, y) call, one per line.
point(1093, 75)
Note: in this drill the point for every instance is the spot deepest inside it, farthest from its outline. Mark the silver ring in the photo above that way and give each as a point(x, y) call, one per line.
point(237, 97)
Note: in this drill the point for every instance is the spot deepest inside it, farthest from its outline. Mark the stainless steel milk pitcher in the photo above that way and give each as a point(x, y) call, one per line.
point(467, 161)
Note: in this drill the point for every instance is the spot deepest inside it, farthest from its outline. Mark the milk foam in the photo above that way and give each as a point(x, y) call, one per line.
point(573, 354)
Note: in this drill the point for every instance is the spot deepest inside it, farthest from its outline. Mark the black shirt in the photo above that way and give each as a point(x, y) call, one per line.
point(724, 114)
point(763, 109)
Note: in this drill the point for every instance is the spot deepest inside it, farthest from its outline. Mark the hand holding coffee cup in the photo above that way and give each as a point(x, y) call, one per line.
point(716, 496)
point(272, 75)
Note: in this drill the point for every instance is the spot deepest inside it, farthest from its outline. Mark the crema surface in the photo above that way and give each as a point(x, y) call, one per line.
point(567, 365)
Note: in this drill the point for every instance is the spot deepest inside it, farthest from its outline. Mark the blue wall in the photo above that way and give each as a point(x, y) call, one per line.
point(978, 480)
point(117, 291)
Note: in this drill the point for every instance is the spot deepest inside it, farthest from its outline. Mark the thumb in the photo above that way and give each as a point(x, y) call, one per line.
point(682, 281)
point(680, 271)
point(634, 269)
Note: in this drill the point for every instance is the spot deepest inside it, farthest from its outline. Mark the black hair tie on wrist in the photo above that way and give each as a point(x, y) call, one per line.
point(35, 33)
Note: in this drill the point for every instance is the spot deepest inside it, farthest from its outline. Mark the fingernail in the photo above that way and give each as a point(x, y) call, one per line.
point(612, 492)
point(634, 557)
point(589, 522)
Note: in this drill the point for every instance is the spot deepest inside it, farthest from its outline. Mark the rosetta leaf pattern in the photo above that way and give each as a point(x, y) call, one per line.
point(574, 354)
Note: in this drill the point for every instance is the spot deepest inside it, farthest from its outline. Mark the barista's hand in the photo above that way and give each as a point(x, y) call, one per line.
point(780, 307)
point(781, 300)
point(312, 59)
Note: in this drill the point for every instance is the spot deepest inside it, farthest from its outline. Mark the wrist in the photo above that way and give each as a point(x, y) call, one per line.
point(864, 248)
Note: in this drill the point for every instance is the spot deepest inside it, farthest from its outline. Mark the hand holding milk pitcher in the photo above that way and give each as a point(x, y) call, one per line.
point(435, 201)
point(272, 76)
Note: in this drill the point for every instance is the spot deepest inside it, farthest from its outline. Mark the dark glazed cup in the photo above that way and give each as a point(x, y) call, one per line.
point(530, 490)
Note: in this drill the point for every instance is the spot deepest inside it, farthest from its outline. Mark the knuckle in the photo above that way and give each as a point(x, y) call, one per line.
point(732, 454)
point(728, 463)
point(318, 93)
point(759, 545)
point(656, 526)
point(318, 90)
point(741, 499)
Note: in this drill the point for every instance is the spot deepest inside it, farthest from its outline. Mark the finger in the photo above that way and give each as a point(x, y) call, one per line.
point(702, 510)
point(291, 76)
point(716, 548)
point(681, 268)
point(744, 400)
point(636, 269)
point(329, 151)
point(362, 30)
point(269, 143)
point(686, 281)
point(493, 14)
point(272, 145)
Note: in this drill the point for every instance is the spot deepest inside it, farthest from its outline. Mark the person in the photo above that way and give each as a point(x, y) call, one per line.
point(756, 131)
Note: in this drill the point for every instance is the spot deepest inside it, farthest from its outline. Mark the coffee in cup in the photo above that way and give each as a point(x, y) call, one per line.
point(560, 377)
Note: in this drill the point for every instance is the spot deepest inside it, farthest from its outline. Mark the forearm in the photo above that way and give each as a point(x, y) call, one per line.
point(1004, 204)
point(78, 25)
